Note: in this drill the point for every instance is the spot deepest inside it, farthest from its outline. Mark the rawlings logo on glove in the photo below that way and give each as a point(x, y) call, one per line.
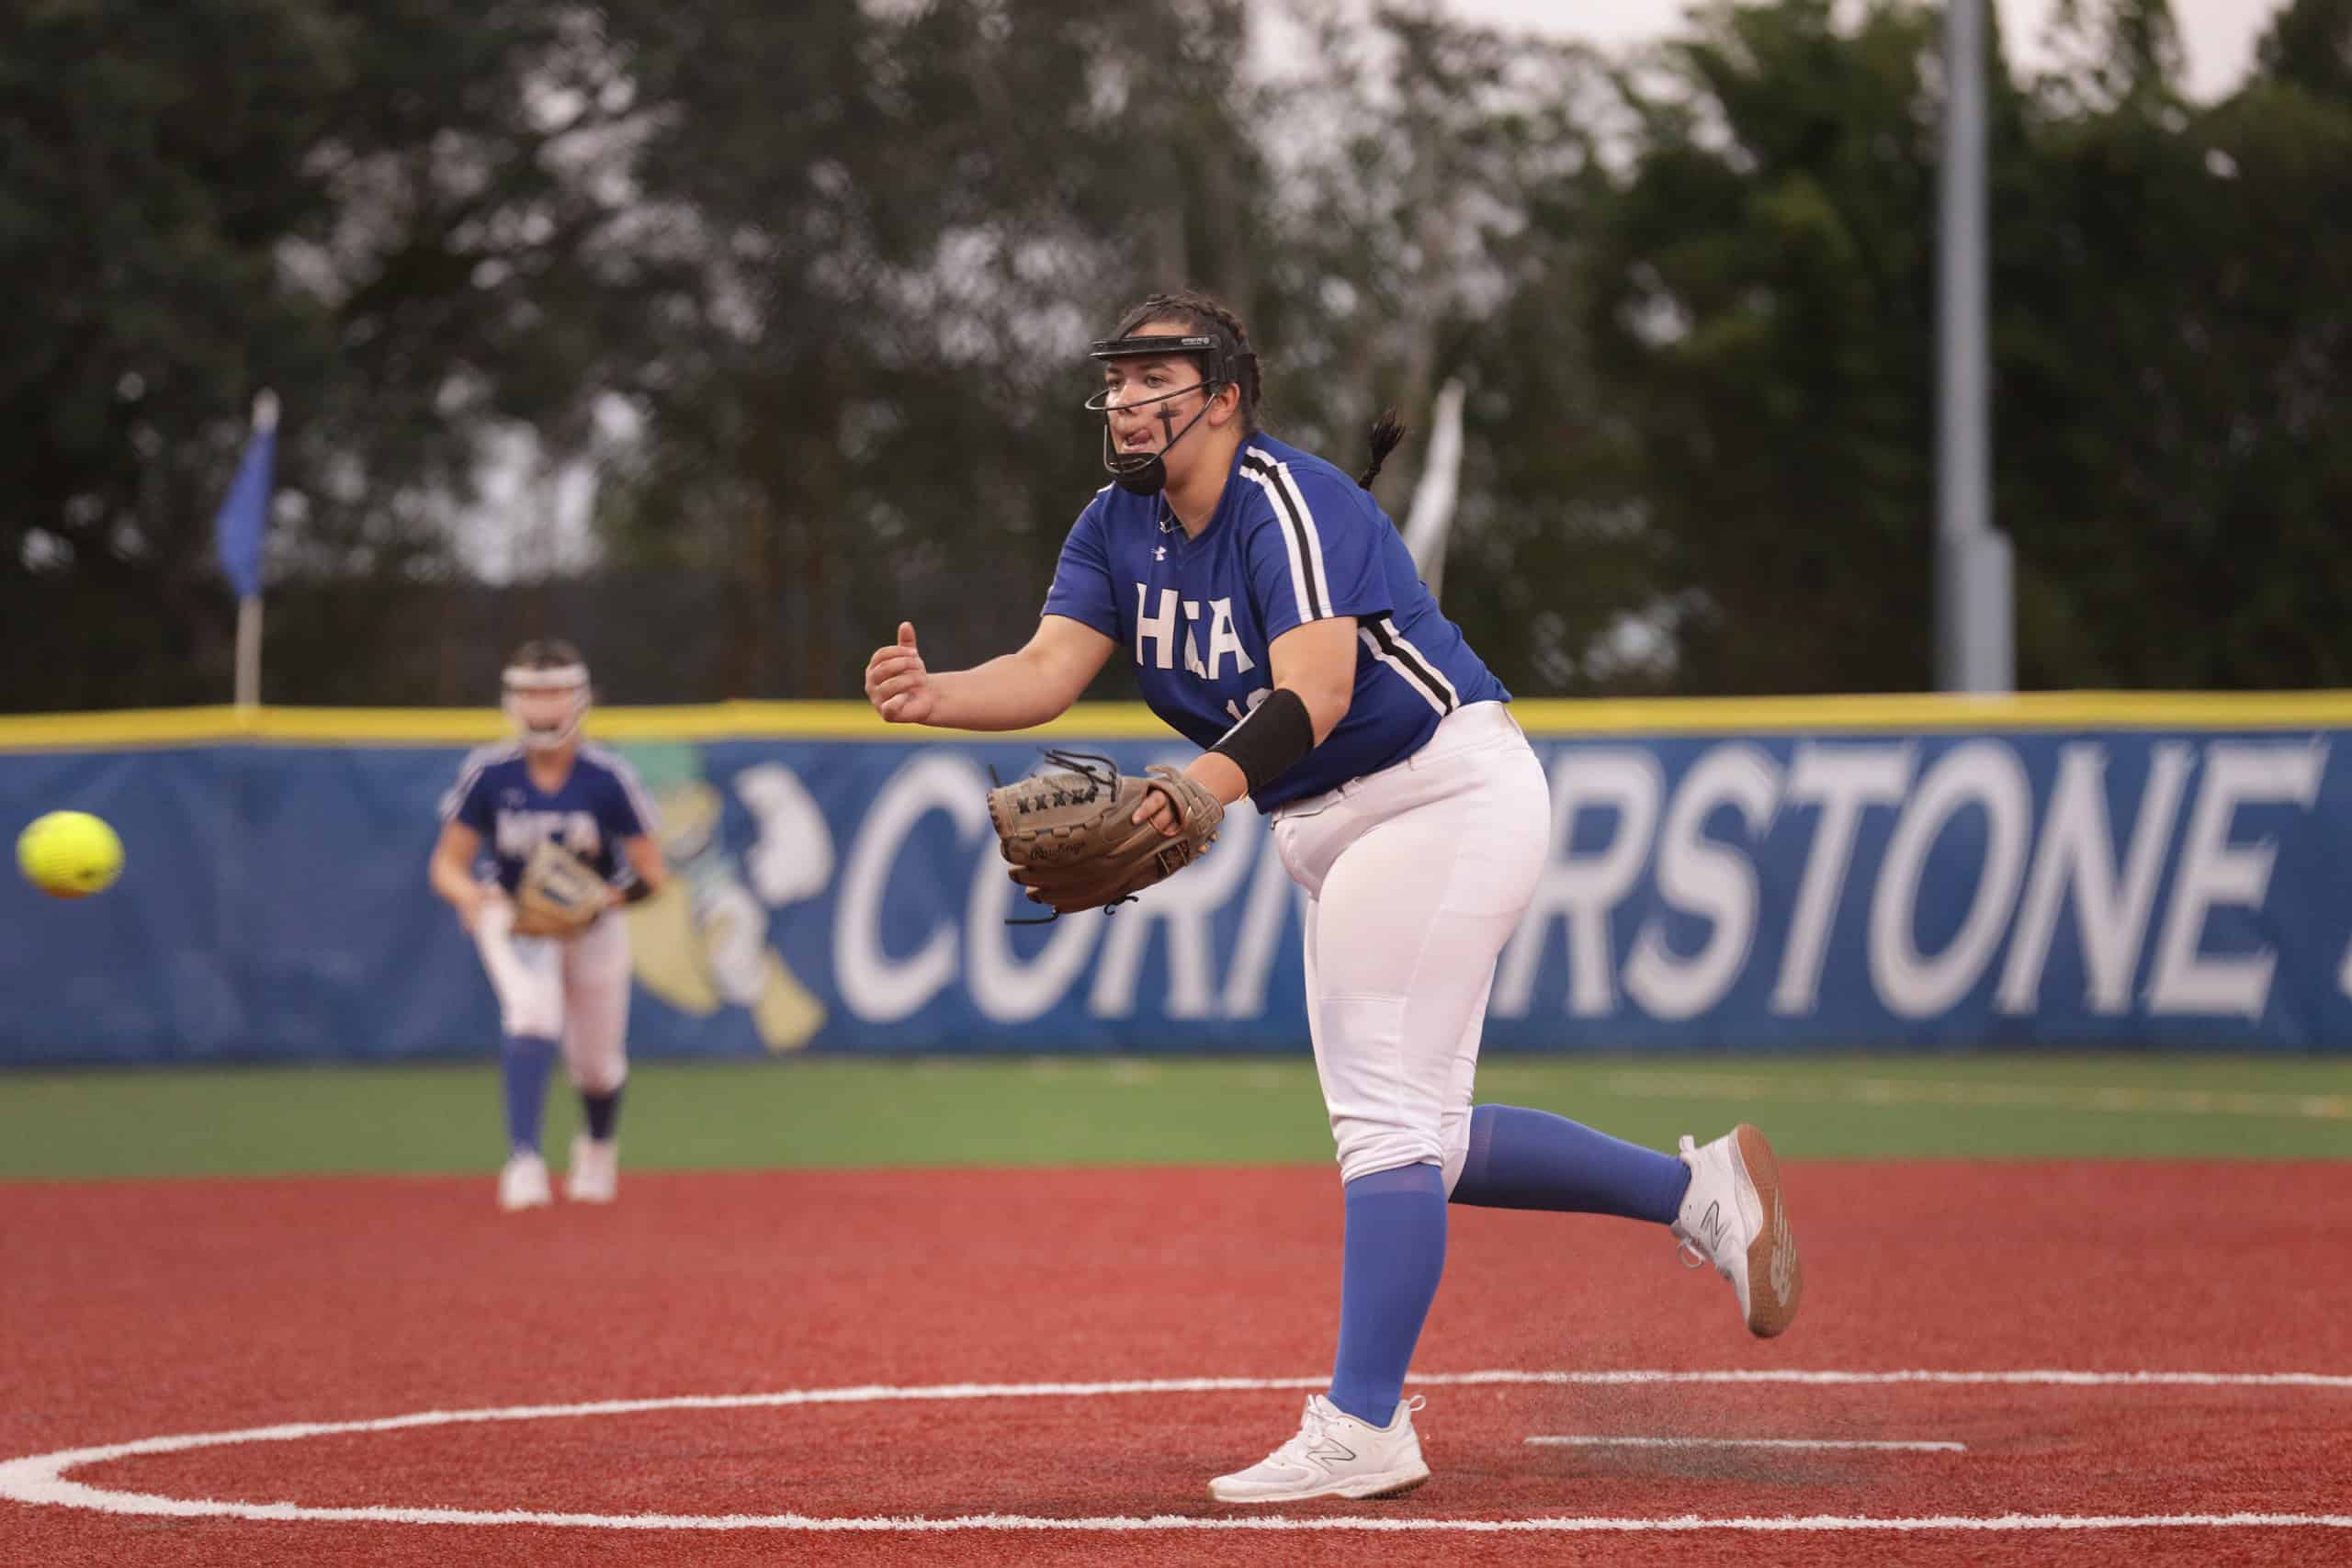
point(1073, 840)
point(557, 895)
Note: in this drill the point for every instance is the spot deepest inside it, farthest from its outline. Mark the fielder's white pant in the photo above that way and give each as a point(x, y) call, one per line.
point(1415, 875)
point(574, 991)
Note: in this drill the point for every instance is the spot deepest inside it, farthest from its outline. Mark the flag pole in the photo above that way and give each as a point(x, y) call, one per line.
point(246, 515)
point(248, 650)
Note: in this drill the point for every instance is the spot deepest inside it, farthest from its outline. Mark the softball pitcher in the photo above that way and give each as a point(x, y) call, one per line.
point(558, 957)
point(1275, 619)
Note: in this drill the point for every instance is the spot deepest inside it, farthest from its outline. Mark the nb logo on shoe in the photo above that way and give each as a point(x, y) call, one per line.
point(1711, 1227)
point(1331, 1450)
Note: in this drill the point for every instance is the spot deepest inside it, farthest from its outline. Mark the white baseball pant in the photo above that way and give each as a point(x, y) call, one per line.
point(1415, 877)
point(574, 991)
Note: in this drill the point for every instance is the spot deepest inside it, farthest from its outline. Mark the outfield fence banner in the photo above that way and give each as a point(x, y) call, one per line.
point(837, 889)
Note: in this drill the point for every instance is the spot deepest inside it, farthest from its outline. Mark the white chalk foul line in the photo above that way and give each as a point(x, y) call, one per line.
point(1111, 1523)
point(2047, 1376)
point(2024, 1095)
point(1600, 1440)
point(41, 1479)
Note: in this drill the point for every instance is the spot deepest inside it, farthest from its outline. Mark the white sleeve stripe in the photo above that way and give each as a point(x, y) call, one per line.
point(1419, 662)
point(648, 819)
point(1404, 673)
point(1302, 581)
point(477, 759)
point(1308, 580)
point(1298, 585)
point(454, 799)
point(1321, 578)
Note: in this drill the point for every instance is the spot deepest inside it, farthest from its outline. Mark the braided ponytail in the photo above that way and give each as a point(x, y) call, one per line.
point(1386, 432)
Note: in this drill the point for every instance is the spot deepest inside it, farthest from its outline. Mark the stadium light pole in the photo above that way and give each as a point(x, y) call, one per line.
point(1974, 638)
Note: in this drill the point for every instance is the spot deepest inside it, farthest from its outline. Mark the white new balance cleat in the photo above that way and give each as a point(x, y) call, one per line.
point(523, 1182)
point(594, 1175)
point(1334, 1455)
point(1733, 1217)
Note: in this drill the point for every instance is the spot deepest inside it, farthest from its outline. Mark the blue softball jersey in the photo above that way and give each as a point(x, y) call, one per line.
point(1293, 539)
point(600, 804)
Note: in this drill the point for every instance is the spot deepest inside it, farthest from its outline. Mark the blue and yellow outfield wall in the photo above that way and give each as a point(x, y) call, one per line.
point(2067, 869)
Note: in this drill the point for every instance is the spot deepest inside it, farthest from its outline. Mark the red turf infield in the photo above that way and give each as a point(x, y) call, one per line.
point(138, 1311)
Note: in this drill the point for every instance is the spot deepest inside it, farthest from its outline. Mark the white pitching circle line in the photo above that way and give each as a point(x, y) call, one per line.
point(41, 1479)
point(1596, 1440)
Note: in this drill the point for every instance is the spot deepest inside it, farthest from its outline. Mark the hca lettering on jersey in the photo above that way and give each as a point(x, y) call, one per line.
point(520, 833)
point(1157, 631)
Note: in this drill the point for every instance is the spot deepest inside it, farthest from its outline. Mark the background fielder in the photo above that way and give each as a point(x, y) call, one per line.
point(568, 992)
point(1275, 618)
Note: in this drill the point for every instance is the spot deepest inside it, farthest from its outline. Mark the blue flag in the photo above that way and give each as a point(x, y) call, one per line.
point(237, 528)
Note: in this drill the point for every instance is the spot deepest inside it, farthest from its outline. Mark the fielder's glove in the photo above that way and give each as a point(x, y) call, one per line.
point(557, 895)
point(1072, 840)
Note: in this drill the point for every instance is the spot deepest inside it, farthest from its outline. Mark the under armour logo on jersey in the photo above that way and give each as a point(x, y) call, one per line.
point(1159, 552)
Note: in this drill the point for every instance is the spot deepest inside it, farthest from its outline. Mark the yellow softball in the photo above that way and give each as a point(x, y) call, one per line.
point(70, 854)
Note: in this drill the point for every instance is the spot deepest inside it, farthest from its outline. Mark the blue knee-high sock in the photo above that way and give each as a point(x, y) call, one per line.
point(1395, 1250)
point(602, 1113)
point(525, 1061)
point(1533, 1159)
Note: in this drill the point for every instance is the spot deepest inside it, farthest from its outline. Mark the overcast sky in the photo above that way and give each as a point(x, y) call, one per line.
point(2218, 35)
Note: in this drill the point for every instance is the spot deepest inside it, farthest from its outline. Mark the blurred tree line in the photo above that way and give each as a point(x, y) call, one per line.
point(806, 289)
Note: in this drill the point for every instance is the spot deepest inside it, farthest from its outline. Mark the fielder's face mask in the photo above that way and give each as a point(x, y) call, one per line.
point(546, 706)
point(1142, 473)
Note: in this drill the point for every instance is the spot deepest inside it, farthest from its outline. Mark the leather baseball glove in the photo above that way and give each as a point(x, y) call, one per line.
point(1071, 842)
point(559, 893)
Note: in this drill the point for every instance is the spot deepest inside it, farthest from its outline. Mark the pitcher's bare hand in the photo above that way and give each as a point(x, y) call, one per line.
point(897, 683)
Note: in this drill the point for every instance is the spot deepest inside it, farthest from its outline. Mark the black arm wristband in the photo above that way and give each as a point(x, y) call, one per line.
point(1270, 741)
point(637, 892)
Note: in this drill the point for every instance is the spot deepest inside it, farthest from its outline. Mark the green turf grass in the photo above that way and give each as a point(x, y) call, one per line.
point(1062, 1111)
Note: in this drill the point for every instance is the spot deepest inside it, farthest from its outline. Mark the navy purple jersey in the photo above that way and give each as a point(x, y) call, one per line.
point(600, 804)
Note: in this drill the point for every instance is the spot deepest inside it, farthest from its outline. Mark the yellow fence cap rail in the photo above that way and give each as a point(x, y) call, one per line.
point(846, 720)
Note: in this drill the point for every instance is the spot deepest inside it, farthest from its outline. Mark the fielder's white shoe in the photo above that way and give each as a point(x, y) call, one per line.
point(1733, 1217)
point(1334, 1455)
point(594, 1175)
point(523, 1183)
